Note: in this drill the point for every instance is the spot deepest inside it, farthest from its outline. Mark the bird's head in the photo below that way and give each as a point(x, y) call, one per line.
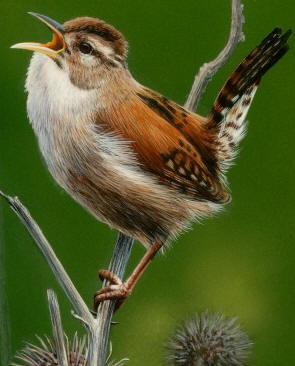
point(86, 48)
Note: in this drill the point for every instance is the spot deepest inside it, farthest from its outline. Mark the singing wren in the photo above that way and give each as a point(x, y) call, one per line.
point(133, 158)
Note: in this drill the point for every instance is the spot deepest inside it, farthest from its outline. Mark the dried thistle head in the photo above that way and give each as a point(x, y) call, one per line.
point(209, 340)
point(44, 354)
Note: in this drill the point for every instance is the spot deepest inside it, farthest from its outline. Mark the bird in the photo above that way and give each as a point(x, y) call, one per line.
point(133, 158)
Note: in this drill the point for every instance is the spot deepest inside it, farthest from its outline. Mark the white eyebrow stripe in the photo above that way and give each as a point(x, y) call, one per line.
point(96, 44)
point(106, 50)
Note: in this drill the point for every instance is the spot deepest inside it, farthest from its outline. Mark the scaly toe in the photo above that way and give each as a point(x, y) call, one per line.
point(112, 292)
point(105, 274)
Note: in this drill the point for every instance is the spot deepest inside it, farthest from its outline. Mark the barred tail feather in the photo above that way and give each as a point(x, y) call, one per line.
point(233, 128)
point(232, 104)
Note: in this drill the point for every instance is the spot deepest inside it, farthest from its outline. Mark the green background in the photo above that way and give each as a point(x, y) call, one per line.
point(240, 263)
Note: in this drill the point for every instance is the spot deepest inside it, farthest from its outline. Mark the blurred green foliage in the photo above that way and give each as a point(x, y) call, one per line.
point(240, 263)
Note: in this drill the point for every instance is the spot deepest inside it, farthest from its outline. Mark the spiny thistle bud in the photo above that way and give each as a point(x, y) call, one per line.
point(209, 340)
point(45, 353)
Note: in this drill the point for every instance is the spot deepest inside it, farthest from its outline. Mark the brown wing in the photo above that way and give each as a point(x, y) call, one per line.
point(169, 142)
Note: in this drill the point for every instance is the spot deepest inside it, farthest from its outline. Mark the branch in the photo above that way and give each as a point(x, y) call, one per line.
point(97, 329)
point(54, 263)
point(57, 329)
point(91, 325)
point(105, 311)
point(207, 71)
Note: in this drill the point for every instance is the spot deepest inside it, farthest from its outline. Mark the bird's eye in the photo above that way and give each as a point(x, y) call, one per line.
point(85, 47)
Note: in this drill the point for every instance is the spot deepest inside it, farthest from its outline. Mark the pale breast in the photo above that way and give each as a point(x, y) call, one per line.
point(99, 169)
point(56, 110)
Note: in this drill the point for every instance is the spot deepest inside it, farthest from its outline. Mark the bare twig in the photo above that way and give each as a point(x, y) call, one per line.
point(54, 263)
point(57, 329)
point(207, 71)
point(90, 323)
point(105, 311)
point(97, 329)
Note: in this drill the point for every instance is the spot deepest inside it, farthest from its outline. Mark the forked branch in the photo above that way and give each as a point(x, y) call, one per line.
point(54, 263)
point(207, 71)
point(90, 323)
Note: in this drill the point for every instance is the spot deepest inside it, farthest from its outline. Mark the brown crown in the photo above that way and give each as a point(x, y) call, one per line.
point(102, 29)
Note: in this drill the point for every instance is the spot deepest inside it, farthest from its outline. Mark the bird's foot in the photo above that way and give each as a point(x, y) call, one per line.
point(116, 291)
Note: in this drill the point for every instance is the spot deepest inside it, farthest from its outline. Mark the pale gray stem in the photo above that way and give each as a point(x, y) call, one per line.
point(97, 329)
point(105, 310)
point(99, 334)
point(54, 263)
point(207, 71)
point(57, 329)
point(91, 325)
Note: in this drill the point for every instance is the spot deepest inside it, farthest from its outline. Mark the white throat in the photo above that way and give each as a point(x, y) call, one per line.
point(52, 96)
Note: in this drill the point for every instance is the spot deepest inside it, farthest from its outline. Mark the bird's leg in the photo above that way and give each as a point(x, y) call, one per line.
point(118, 290)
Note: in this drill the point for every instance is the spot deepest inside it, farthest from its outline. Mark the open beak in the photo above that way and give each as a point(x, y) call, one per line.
point(51, 49)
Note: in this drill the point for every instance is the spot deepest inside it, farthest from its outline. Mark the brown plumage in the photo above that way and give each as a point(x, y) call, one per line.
point(133, 158)
point(176, 149)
